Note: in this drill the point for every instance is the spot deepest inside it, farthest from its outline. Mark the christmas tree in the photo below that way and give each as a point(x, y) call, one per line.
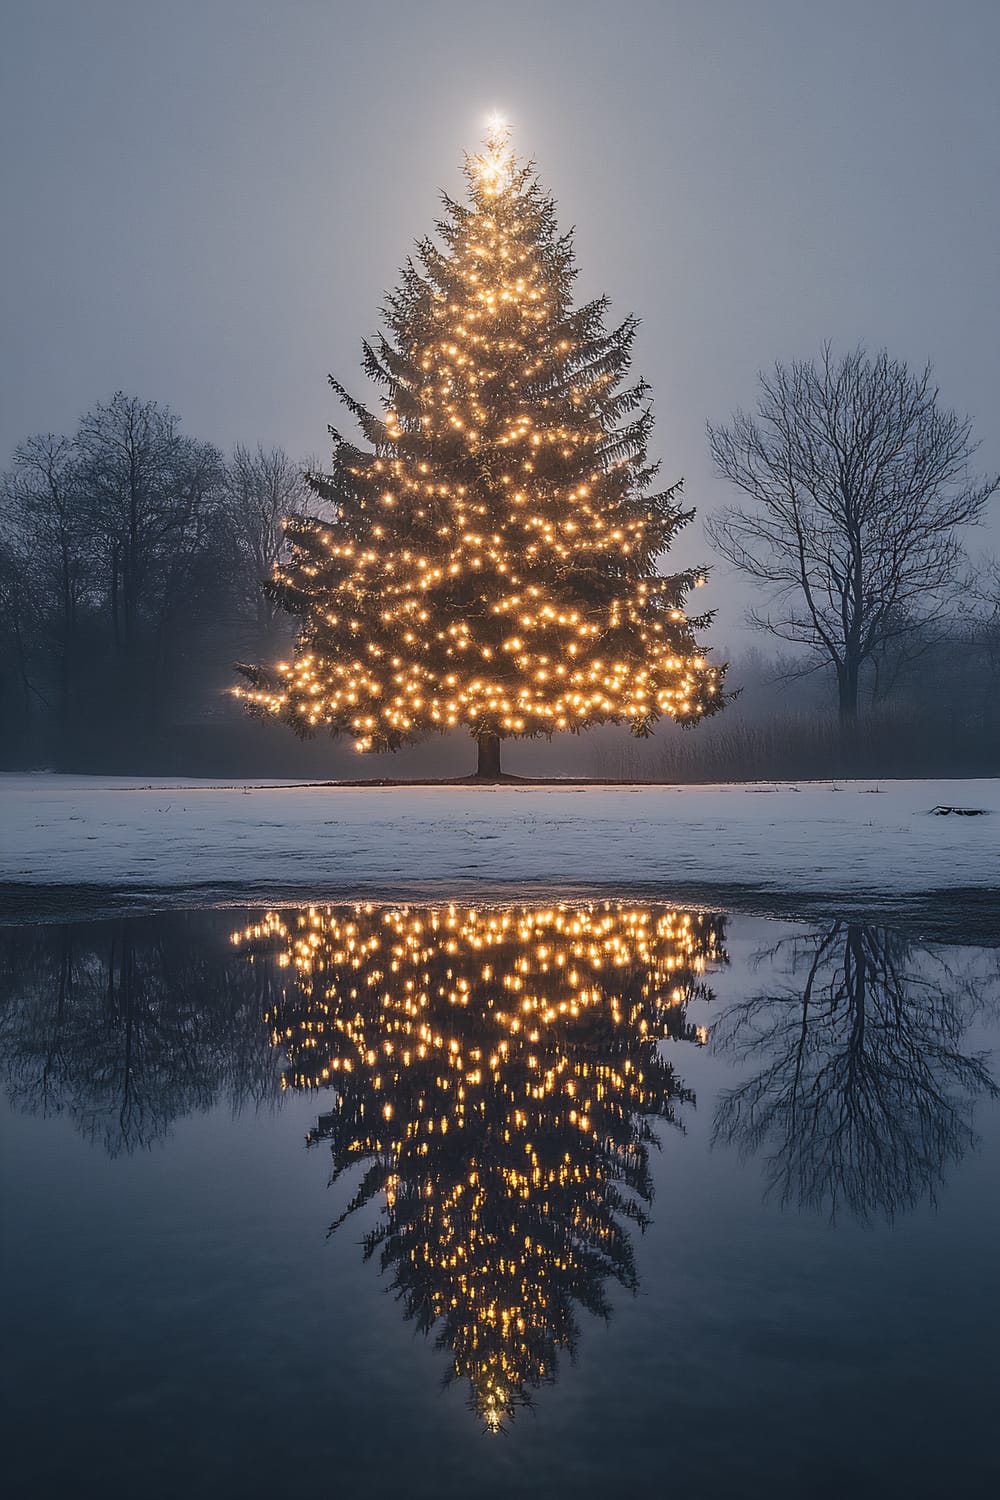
point(495, 1075)
point(490, 561)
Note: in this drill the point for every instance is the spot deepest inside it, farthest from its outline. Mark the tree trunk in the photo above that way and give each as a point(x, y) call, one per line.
point(489, 756)
point(847, 689)
point(115, 621)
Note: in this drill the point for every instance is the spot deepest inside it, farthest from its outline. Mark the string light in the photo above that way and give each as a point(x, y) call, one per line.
point(491, 562)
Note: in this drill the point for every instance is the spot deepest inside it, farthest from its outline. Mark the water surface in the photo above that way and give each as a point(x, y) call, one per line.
point(569, 1200)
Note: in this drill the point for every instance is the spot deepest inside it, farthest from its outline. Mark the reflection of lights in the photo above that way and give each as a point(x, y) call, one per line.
point(496, 1069)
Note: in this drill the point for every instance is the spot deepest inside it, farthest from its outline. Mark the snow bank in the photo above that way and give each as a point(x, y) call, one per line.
point(850, 838)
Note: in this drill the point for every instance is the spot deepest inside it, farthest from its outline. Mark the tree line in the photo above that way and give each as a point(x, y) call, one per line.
point(131, 562)
point(133, 559)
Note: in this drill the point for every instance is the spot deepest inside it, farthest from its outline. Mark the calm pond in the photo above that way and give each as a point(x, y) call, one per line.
point(594, 1199)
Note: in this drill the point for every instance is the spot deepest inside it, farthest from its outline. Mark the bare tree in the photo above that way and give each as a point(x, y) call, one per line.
point(264, 487)
point(44, 521)
point(125, 448)
point(857, 482)
point(981, 595)
point(18, 624)
point(154, 500)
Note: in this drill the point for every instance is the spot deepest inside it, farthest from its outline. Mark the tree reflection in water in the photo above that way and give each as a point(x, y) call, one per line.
point(862, 1094)
point(497, 1077)
point(126, 1026)
point(497, 1072)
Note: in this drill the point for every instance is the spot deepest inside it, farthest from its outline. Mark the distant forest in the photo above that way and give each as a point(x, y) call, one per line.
point(131, 564)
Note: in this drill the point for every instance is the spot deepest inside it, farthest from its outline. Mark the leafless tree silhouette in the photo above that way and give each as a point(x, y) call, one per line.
point(863, 1094)
point(856, 481)
point(127, 1026)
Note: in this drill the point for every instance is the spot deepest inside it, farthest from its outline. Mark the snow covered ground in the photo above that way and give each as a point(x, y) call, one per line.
point(856, 840)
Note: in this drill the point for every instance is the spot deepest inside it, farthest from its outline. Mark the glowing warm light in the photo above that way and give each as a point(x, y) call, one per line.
point(496, 126)
point(494, 170)
point(496, 1070)
point(491, 561)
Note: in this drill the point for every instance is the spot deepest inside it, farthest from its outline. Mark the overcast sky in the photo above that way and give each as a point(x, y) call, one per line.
point(204, 200)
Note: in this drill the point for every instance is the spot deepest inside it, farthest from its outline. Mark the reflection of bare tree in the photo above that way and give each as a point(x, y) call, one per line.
point(865, 1095)
point(496, 1073)
point(127, 1025)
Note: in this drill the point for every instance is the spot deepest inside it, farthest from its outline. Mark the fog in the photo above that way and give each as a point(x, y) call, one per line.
point(205, 202)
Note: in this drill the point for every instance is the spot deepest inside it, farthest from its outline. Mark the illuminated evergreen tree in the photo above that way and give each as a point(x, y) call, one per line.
point(496, 1075)
point(490, 561)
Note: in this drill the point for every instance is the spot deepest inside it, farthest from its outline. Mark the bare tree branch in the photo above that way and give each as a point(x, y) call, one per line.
point(858, 482)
